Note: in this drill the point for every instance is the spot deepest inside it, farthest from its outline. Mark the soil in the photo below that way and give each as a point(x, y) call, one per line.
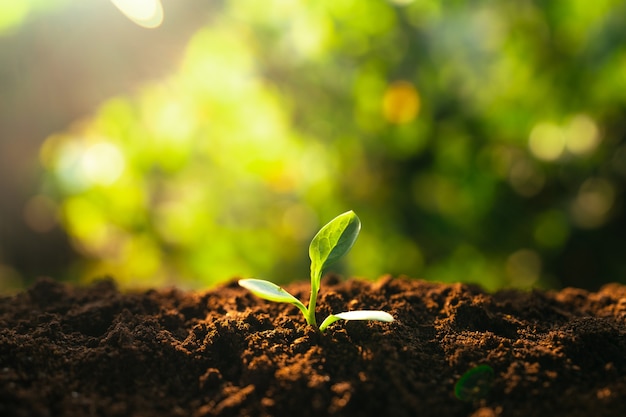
point(96, 351)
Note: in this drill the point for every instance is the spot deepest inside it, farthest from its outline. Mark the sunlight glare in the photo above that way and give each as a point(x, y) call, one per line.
point(102, 163)
point(145, 13)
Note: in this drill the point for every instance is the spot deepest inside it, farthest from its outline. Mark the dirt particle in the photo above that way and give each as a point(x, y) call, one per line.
point(210, 379)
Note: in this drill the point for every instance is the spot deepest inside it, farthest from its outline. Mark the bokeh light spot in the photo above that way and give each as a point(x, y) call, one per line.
point(102, 163)
point(525, 177)
point(66, 163)
point(581, 135)
point(401, 102)
point(591, 207)
point(546, 141)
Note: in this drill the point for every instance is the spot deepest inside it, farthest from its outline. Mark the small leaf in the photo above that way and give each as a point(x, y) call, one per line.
point(376, 315)
point(332, 242)
point(269, 291)
point(366, 315)
point(475, 383)
point(272, 292)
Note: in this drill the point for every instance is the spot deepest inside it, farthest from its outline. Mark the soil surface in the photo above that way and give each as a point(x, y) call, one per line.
point(94, 351)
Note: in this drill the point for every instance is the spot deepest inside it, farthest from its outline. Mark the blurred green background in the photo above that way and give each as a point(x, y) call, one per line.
point(478, 141)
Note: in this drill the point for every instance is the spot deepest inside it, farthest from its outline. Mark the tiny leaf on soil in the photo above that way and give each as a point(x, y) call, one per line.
point(365, 315)
point(270, 291)
point(475, 383)
point(357, 315)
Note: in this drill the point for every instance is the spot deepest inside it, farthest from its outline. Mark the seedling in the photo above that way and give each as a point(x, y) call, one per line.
point(475, 383)
point(331, 243)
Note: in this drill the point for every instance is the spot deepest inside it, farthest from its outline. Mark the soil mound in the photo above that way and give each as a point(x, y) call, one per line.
point(454, 350)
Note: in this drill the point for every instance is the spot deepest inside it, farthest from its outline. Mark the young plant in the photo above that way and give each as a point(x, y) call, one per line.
point(331, 243)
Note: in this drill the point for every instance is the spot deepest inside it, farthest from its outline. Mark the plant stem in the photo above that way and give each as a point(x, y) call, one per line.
point(310, 318)
point(311, 310)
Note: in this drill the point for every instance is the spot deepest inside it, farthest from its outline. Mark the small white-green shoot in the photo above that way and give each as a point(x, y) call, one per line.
point(331, 243)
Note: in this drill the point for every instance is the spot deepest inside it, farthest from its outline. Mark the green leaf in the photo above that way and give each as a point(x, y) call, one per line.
point(375, 315)
point(475, 383)
point(331, 243)
point(366, 315)
point(270, 291)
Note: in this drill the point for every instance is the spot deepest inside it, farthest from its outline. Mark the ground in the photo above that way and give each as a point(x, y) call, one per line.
point(453, 350)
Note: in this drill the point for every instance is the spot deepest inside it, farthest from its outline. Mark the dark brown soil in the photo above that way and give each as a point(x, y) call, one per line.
point(94, 351)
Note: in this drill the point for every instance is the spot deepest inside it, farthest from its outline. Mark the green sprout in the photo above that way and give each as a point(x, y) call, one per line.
point(475, 383)
point(331, 243)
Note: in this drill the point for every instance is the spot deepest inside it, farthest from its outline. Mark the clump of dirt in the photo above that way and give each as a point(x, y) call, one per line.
point(95, 351)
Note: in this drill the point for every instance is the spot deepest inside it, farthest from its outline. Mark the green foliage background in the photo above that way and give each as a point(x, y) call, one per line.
point(477, 141)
